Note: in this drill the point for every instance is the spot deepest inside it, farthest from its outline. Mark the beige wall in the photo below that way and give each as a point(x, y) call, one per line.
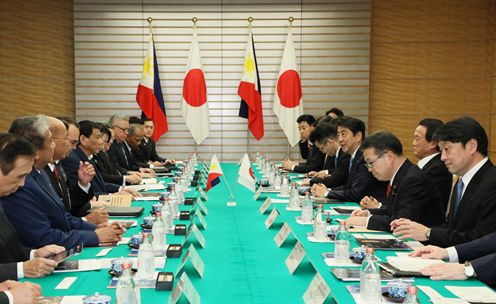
point(431, 58)
point(36, 58)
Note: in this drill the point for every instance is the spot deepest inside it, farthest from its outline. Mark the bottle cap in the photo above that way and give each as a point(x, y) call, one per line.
point(126, 265)
point(411, 290)
point(158, 213)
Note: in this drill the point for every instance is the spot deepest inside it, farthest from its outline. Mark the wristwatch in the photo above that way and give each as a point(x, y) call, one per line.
point(428, 234)
point(469, 270)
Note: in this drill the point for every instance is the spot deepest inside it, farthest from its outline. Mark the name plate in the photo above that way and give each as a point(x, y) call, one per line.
point(184, 286)
point(295, 257)
point(201, 205)
point(257, 194)
point(198, 235)
point(201, 219)
point(203, 193)
point(271, 218)
point(195, 259)
point(317, 292)
point(282, 235)
point(265, 205)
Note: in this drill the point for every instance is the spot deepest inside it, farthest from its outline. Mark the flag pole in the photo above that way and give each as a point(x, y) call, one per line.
point(250, 20)
point(231, 201)
point(288, 152)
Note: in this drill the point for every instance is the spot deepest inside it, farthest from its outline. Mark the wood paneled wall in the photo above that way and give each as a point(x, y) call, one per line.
point(492, 43)
point(431, 58)
point(36, 58)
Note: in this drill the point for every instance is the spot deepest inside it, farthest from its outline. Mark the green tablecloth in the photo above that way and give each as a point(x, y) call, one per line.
point(242, 262)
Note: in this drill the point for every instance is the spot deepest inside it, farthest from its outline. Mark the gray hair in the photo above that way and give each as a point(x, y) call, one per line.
point(32, 128)
point(117, 117)
point(133, 128)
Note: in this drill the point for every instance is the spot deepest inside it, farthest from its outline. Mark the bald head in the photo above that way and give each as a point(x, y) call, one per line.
point(59, 133)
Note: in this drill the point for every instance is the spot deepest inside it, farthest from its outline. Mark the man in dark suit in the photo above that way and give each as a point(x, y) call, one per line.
point(38, 213)
point(410, 193)
point(110, 171)
point(119, 151)
point(16, 261)
point(148, 146)
point(77, 199)
point(463, 142)
point(360, 182)
point(89, 144)
point(315, 157)
point(426, 149)
point(325, 138)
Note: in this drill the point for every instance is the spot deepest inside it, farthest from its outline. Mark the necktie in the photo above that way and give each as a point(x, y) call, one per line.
point(56, 174)
point(351, 164)
point(459, 191)
point(125, 155)
point(388, 190)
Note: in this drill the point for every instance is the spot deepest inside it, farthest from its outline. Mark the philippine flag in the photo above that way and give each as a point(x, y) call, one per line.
point(149, 95)
point(288, 103)
point(214, 173)
point(249, 91)
point(246, 176)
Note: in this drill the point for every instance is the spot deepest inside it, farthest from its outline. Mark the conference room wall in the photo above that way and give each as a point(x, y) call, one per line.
point(431, 58)
point(36, 59)
point(332, 48)
point(492, 41)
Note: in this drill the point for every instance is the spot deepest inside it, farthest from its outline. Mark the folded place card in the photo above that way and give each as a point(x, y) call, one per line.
point(271, 218)
point(203, 193)
point(201, 219)
point(265, 205)
point(201, 205)
point(282, 235)
point(295, 257)
point(257, 194)
point(184, 286)
point(198, 235)
point(317, 292)
point(195, 259)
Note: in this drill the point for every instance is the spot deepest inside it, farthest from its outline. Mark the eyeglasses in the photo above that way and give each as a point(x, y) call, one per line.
point(73, 141)
point(369, 165)
point(123, 129)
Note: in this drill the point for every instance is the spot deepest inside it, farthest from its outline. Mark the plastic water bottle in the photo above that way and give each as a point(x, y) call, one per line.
point(180, 194)
point(342, 244)
point(127, 292)
point(158, 232)
point(307, 210)
point(167, 216)
point(411, 295)
point(294, 197)
point(370, 278)
point(174, 204)
point(146, 262)
point(285, 186)
point(319, 225)
point(277, 181)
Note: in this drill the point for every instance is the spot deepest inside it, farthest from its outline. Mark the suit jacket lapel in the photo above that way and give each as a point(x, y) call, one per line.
point(43, 182)
point(471, 190)
point(396, 184)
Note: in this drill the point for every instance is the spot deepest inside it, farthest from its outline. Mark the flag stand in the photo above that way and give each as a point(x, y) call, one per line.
point(231, 201)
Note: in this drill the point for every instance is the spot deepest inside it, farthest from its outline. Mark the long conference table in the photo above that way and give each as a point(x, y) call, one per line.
point(242, 262)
